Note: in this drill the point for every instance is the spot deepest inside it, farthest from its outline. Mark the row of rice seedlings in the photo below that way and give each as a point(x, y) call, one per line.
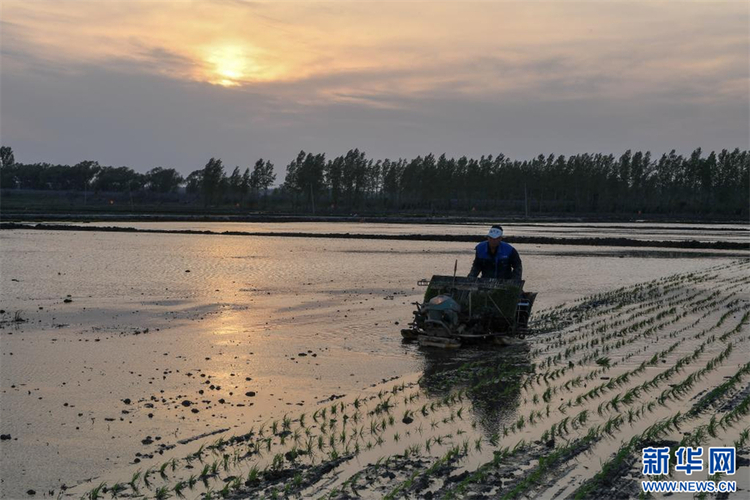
point(634, 392)
point(642, 302)
point(648, 332)
point(605, 349)
point(559, 456)
point(612, 424)
point(655, 431)
point(673, 392)
point(608, 428)
point(720, 390)
point(743, 440)
point(591, 336)
point(454, 453)
point(210, 471)
point(533, 475)
point(619, 333)
point(611, 468)
point(601, 325)
point(675, 301)
point(604, 303)
point(616, 382)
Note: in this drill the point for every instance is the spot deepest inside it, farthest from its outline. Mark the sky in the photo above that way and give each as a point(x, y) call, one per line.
point(174, 83)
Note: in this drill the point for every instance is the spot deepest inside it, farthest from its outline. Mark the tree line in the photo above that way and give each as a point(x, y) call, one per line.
point(713, 183)
point(585, 183)
point(209, 183)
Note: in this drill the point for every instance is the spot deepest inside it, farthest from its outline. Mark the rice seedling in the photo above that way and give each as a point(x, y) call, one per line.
point(711, 428)
point(278, 462)
point(95, 493)
point(116, 488)
point(162, 493)
point(321, 443)
point(178, 489)
point(236, 484)
point(743, 439)
point(162, 470)
point(205, 472)
point(224, 492)
point(134, 480)
point(297, 481)
point(146, 476)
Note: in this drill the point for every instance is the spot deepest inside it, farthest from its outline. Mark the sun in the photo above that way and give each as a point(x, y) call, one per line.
point(232, 65)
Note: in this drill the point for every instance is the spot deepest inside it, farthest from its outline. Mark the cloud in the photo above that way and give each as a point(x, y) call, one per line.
point(171, 82)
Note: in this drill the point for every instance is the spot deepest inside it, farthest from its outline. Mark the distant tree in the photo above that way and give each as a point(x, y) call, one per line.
point(305, 176)
point(262, 176)
point(411, 180)
point(7, 159)
point(30, 176)
point(246, 184)
point(392, 171)
point(8, 170)
point(121, 179)
point(81, 174)
point(56, 177)
point(235, 184)
point(354, 176)
point(213, 176)
point(333, 177)
point(163, 180)
point(194, 182)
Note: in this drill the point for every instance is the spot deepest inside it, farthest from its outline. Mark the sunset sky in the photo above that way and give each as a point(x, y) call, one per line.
point(147, 83)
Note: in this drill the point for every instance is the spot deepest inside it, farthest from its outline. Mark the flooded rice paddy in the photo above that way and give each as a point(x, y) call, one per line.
point(645, 231)
point(164, 365)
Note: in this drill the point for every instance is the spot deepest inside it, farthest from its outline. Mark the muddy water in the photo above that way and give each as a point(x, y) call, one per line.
point(167, 337)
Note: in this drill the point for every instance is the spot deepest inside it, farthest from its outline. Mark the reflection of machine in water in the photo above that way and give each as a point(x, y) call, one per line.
point(490, 379)
point(458, 311)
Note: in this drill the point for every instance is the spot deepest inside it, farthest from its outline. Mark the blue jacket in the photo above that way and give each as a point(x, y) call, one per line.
point(504, 264)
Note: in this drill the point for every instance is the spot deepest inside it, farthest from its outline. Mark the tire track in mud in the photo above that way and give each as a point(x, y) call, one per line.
point(529, 420)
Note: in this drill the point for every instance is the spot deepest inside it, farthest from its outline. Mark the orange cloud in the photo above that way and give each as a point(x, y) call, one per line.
point(365, 52)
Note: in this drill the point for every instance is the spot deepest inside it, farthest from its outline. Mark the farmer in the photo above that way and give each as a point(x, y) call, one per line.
point(496, 259)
